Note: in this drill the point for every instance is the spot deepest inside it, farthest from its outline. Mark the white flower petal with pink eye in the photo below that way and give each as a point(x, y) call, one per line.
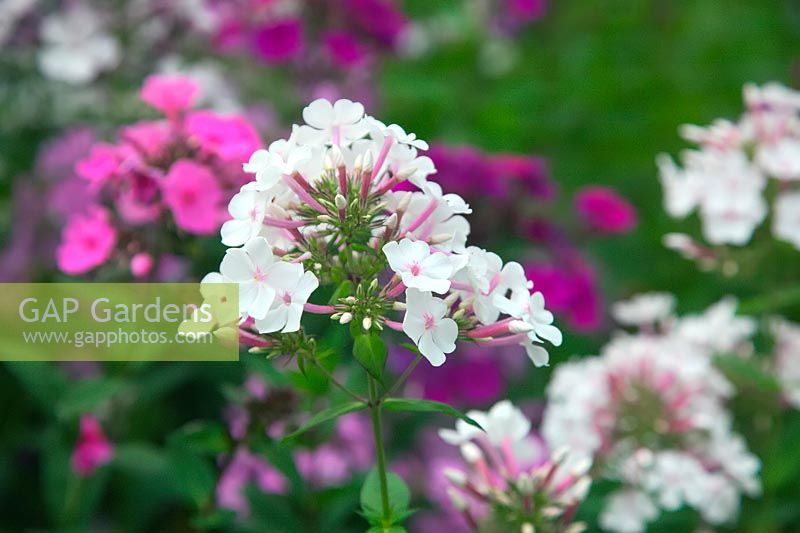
point(427, 327)
point(340, 123)
point(267, 169)
point(293, 287)
point(418, 267)
point(247, 208)
point(248, 266)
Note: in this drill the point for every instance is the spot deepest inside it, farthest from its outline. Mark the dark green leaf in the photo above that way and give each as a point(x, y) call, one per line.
point(194, 476)
point(87, 396)
point(371, 499)
point(426, 406)
point(201, 437)
point(370, 351)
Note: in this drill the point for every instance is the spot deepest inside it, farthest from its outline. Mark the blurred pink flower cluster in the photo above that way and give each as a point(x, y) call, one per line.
point(513, 192)
point(266, 411)
point(277, 33)
point(179, 171)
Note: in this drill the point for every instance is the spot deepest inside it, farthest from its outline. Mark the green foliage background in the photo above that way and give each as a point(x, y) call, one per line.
point(599, 88)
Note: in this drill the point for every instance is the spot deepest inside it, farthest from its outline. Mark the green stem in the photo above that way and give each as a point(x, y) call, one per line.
point(332, 379)
point(407, 372)
point(375, 409)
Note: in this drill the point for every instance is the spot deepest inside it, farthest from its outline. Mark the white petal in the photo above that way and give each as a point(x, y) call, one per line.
point(237, 265)
point(428, 348)
point(273, 321)
point(319, 114)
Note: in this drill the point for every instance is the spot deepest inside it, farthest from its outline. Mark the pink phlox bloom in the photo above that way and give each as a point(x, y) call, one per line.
point(86, 242)
point(229, 137)
point(93, 449)
point(193, 195)
point(604, 210)
point(170, 94)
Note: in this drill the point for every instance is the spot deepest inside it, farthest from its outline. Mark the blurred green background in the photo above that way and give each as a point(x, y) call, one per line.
point(598, 88)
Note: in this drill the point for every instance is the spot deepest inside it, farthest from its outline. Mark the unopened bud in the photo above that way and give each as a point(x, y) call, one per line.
point(317, 266)
point(576, 527)
point(519, 326)
point(525, 484)
point(324, 218)
point(581, 467)
point(459, 314)
point(340, 201)
point(451, 299)
point(357, 164)
point(458, 501)
point(391, 221)
point(337, 158)
point(328, 162)
point(455, 476)
point(402, 205)
point(471, 452)
point(366, 323)
point(346, 318)
point(367, 162)
point(559, 454)
point(439, 238)
point(373, 284)
point(406, 173)
point(580, 489)
point(527, 527)
point(551, 512)
point(399, 306)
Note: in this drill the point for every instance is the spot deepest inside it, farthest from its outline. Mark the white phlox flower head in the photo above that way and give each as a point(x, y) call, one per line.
point(644, 309)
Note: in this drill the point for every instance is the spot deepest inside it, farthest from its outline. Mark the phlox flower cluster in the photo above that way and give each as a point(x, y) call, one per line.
point(504, 483)
point(322, 210)
point(178, 172)
point(329, 46)
point(650, 412)
point(725, 178)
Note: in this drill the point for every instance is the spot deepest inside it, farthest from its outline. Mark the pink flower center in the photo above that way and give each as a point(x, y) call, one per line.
point(287, 298)
point(430, 322)
point(90, 243)
point(259, 276)
point(188, 197)
point(415, 269)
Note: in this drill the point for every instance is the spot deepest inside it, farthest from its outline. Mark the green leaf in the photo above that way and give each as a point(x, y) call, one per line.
point(371, 499)
point(344, 290)
point(390, 529)
point(43, 381)
point(370, 351)
point(194, 476)
point(426, 406)
point(328, 414)
point(747, 372)
point(201, 437)
point(88, 395)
